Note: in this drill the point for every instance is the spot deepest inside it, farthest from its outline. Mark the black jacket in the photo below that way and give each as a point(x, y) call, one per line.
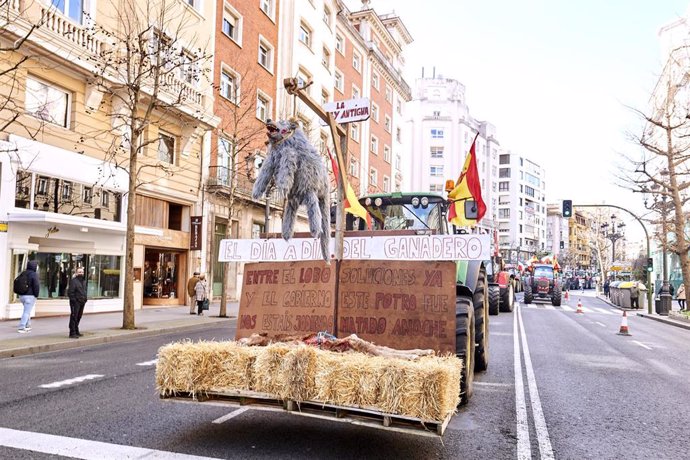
point(77, 289)
point(33, 276)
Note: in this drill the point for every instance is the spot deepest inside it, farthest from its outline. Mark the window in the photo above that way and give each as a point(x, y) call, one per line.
point(357, 62)
point(375, 80)
point(267, 7)
point(339, 81)
point(436, 171)
point(504, 159)
point(232, 24)
point(386, 154)
point(326, 58)
point(355, 92)
point(504, 172)
point(166, 147)
point(398, 106)
point(47, 103)
point(436, 152)
point(339, 43)
point(189, 68)
point(389, 94)
point(373, 177)
point(436, 187)
point(374, 146)
point(327, 16)
point(263, 107)
point(503, 186)
point(224, 161)
point(387, 124)
point(529, 191)
point(105, 199)
point(42, 186)
point(386, 184)
point(265, 54)
point(354, 131)
point(437, 113)
point(398, 134)
point(398, 161)
point(504, 213)
point(229, 87)
point(66, 190)
point(305, 34)
point(354, 169)
point(303, 79)
point(324, 96)
point(437, 134)
point(375, 112)
point(73, 9)
point(87, 195)
point(257, 230)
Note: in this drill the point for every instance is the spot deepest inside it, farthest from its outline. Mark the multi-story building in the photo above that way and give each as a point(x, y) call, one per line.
point(440, 133)
point(64, 191)
point(521, 207)
point(579, 239)
point(557, 230)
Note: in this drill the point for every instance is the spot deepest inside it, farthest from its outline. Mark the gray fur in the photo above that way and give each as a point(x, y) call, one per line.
point(298, 173)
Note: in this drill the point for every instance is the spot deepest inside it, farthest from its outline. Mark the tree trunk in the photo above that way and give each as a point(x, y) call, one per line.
point(223, 313)
point(128, 307)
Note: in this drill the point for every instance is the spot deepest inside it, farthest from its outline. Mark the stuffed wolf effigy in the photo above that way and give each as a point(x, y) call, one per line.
point(298, 173)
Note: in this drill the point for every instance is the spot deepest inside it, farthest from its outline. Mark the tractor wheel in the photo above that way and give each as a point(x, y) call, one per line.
point(556, 296)
point(494, 298)
point(481, 324)
point(507, 299)
point(464, 344)
point(528, 293)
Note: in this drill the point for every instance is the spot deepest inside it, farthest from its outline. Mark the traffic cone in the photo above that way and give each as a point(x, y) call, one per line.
point(579, 307)
point(624, 325)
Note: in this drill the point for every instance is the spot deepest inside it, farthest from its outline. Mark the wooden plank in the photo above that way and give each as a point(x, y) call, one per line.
point(287, 298)
point(402, 304)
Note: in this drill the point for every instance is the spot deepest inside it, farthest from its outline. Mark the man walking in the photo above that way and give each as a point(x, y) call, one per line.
point(28, 295)
point(191, 293)
point(77, 299)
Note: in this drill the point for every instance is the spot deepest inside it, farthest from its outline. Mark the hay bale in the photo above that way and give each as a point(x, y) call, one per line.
point(297, 374)
point(266, 367)
point(347, 379)
point(187, 367)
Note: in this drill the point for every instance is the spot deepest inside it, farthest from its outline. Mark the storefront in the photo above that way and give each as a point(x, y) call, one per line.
point(164, 276)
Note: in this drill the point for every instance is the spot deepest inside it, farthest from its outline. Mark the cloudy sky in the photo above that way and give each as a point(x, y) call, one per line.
point(554, 77)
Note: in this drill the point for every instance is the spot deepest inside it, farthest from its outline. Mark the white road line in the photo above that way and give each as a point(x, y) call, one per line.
point(232, 414)
point(642, 345)
point(545, 450)
point(82, 448)
point(148, 363)
point(567, 308)
point(492, 384)
point(549, 307)
point(71, 381)
point(602, 310)
point(601, 324)
point(524, 449)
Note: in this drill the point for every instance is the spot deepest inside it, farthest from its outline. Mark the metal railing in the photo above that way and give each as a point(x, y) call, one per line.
point(220, 178)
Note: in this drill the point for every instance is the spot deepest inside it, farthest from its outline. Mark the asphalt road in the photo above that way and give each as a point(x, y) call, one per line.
point(582, 391)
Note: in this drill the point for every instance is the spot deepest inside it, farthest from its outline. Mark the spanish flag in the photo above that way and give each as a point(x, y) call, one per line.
point(351, 204)
point(468, 187)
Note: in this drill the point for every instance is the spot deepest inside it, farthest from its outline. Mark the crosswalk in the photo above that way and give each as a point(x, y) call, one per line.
point(568, 308)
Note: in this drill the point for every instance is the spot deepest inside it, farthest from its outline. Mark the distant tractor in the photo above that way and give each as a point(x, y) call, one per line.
point(542, 283)
point(501, 287)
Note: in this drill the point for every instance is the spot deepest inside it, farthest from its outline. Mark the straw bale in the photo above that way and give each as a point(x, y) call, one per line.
point(266, 367)
point(297, 374)
point(203, 366)
point(347, 379)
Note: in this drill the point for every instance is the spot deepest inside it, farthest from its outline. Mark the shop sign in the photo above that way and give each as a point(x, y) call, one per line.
point(195, 236)
point(348, 111)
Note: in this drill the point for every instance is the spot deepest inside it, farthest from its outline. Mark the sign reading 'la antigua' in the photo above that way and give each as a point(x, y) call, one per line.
point(349, 111)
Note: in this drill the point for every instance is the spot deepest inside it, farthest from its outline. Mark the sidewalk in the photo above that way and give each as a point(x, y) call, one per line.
point(51, 333)
point(656, 317)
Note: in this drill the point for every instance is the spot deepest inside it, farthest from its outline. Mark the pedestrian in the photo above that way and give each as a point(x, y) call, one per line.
point(29, 294)
point(634, 296)
point(191, 292)
point(607, 287)
point(77, 300)
point(680, 296)
point(201, 293)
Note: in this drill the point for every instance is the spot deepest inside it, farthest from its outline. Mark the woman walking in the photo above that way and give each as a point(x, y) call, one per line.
point(201, 292)
point(680, 296)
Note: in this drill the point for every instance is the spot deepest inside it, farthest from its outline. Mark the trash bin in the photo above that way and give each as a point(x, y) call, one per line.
point(626, 289)
point(614, 293)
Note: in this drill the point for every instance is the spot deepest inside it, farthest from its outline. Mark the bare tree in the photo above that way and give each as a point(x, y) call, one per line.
point(147, 71)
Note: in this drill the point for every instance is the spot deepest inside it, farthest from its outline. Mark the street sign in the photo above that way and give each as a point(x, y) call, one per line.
point(195, 234)
point(349, 111)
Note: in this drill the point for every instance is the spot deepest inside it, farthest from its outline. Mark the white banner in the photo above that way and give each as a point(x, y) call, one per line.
point(401, 247)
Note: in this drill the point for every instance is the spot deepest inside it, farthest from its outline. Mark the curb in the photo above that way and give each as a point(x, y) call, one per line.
point(67, 344)
point(665, 320)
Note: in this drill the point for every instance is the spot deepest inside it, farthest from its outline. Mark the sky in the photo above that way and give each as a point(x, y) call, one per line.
point(556, 77)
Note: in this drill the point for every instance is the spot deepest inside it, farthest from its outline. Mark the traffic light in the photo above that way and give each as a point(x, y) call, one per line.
point(567, 208)
point(650, 264)
point(562, 244)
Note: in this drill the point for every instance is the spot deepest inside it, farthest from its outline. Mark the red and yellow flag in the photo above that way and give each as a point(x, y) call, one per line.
point(351, 203)
point(468, 187)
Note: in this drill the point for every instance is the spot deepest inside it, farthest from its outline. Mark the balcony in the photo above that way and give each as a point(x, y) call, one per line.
point(220, 181)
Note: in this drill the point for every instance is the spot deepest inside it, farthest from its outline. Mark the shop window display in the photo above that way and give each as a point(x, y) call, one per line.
point(160, 274)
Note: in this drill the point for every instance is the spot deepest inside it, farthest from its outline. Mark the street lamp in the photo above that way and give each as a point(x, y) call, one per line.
point(662, 207)
point(613, 232)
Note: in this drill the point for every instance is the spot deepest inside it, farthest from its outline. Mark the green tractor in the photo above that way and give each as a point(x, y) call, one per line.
point(426, 213)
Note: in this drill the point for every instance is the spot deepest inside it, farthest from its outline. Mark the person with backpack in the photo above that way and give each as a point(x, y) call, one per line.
point(77, 299)
point(26, 286)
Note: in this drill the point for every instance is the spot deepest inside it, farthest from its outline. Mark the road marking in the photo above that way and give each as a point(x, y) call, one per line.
point(493, 384)
point(602, 310)
point(549, 307)
point(600, 324)
point(148, 363)
point(540, 428)
point(567, 308)
point(81, 448)
point(642, 345)
point(232, 414)
point(83, 378)
point(524, 449)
